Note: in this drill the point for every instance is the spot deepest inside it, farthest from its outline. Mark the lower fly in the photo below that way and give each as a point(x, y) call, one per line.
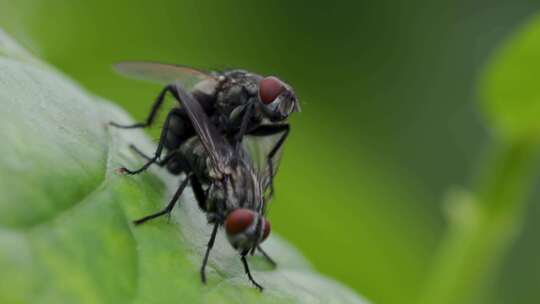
point(228, 186)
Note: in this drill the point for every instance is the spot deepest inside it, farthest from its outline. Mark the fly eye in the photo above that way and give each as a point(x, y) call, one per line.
point(270, 88)
point(266, 229)
point(238, 221)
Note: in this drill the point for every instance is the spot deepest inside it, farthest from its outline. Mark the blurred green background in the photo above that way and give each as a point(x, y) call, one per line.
point(389, 119)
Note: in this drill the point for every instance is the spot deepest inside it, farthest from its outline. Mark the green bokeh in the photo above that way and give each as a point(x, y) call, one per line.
point(79, 245)
point(388, 121)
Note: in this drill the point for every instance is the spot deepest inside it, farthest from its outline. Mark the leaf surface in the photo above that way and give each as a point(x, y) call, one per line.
point(65, 215)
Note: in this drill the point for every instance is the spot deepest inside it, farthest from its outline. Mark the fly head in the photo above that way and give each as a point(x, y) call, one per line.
point(237, 200)
point(273, 99)
point(277, 99)
point(246, 229)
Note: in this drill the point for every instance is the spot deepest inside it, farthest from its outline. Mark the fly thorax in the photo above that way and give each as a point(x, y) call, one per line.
point(236, 189)
point(213, 173)
point(215, 201)
point(229, 99)
point(238, 89)
point(218, 173)
point(244, 191)
point(195, 154)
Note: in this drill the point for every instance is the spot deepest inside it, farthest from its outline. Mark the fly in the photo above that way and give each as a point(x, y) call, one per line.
point(227, 185)
point(238, 103)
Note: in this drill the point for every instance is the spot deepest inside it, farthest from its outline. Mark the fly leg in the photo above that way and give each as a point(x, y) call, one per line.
point(153, 111)
point(248, 113)
point(169, 207)
point(207, 253)
point(267, 257)
point(268, 130)
point(246, 269)
point(160, 163)
point(141, 153)
point(200, 196)
point(161, 143)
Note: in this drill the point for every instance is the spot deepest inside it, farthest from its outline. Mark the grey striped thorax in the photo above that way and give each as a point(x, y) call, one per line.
point(239, 187)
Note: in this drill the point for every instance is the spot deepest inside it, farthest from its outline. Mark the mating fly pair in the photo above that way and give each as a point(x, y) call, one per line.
point(226, 137)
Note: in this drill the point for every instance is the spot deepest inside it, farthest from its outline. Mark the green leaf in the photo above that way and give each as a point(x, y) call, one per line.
point(509, 88)
point(65, 216)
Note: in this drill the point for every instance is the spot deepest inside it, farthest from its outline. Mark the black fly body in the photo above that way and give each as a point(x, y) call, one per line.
point(203, 138)
point(238, 103)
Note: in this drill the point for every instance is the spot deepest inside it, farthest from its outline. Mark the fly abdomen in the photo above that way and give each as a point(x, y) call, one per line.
point(180, 129)
point(178, 164)
point(196, 158)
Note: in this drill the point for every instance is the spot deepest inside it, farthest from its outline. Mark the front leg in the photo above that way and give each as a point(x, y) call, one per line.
point(269, 130)
point(170, 206)
point(207, 253)
point(248, 272)
point(266, 256)
point(246, 117)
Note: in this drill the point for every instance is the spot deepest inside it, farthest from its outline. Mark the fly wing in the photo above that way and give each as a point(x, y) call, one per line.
point(214, 143)
point(259, 148)
point(164, 73)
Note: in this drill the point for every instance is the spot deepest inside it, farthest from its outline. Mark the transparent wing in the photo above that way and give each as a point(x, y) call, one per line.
point(163, 73)
point(259, 148)
point(215, 145)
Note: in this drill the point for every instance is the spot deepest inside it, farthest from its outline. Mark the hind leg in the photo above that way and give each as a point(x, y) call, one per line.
point(153, 111)
point(159, 150)
point(161, 162)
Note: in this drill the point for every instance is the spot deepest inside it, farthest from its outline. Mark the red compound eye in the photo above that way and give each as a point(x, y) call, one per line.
point(266, 229)
point(239, 220)
point(270, 88)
